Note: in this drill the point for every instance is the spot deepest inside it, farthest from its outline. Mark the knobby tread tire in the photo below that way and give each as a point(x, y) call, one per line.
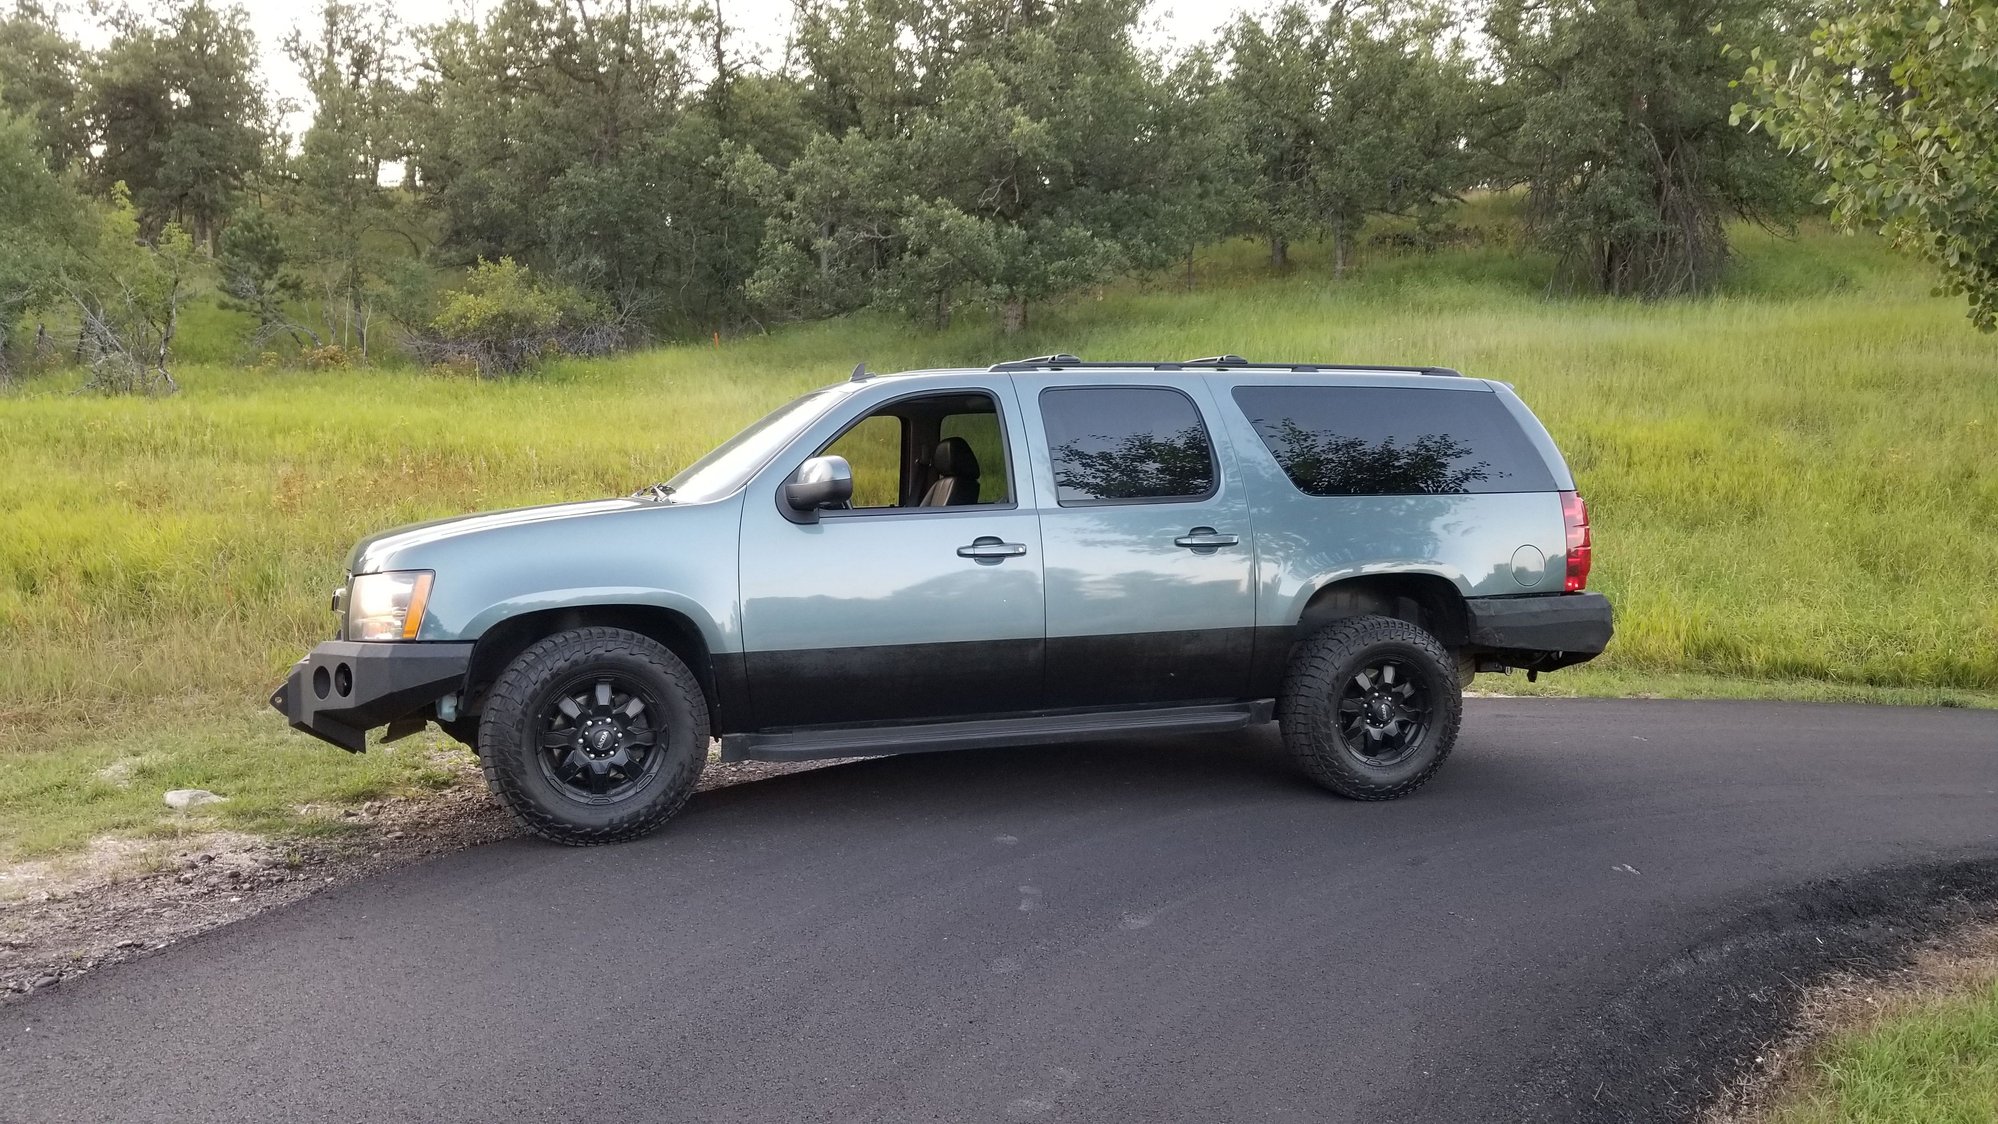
point(1318, 671)
point(508, 715)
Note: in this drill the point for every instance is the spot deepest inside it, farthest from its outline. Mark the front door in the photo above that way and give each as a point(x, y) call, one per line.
point(923, 599)
point(1149, 559)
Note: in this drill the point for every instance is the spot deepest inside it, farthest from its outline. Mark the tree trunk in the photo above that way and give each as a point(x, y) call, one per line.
point(1189, 271)
point(1014, 315)
point(1279, 253)
point(1338, 251)
point(943, 309)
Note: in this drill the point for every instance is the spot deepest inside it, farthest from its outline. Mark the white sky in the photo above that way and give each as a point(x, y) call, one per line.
point(763, 25)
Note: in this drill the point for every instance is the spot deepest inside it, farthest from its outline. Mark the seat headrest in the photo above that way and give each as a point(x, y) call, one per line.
point(954, 458)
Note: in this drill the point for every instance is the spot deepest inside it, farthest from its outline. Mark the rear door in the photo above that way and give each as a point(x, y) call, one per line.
point(1148, 559)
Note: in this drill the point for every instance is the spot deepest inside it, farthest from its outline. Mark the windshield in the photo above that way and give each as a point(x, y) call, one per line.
point(734, 461)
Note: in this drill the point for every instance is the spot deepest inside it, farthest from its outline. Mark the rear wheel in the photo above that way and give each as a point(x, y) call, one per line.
point(1371, 707)
point(597, 735)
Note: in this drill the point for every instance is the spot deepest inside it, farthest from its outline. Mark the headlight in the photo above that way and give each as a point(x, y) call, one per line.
point(387, 606)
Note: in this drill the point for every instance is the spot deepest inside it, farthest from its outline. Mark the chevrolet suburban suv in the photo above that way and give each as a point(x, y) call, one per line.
point(1039, 551)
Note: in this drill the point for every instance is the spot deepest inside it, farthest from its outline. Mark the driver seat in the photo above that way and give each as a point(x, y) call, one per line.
point(957, 475)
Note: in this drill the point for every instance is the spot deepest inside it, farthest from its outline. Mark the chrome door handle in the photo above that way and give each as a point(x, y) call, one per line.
point(1205, 538)
point(988, 548)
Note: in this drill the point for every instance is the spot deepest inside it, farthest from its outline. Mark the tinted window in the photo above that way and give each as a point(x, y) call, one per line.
point(1392, 441)
point(1119, 443)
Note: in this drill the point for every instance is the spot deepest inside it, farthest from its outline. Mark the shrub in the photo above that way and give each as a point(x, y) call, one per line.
point(504, 320)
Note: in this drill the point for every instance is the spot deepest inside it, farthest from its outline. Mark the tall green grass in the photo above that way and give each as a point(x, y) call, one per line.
point(1935, 1062)
point(1793, 479)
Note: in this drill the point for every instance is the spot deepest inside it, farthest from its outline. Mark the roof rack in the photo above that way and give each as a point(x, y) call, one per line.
point(1217, 362)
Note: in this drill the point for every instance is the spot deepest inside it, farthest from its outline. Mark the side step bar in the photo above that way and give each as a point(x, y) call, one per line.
point(1040, 729)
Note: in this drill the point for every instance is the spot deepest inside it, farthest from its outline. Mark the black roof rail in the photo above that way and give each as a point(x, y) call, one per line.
point(1219, 362)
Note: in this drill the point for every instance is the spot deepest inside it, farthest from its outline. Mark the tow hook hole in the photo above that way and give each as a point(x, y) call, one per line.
point(343, 680)
point(321, 682)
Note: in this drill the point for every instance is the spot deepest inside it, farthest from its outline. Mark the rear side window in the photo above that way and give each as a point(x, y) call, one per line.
point(1393, 441)
point(1126, 444)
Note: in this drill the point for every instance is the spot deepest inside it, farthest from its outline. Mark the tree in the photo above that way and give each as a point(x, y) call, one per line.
point(40, 79)
point(571, 137)
point(257, 275)
point(180, 117)
point(345, 222)
point(1346, 110)
point(41, 214)
point(128, 289)
point(1897, 103)
point(979, 151)
point(1618, 120)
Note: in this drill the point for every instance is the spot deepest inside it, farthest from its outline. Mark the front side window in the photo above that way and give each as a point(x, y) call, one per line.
point(1126, 444)
point(1393, 441)
point(933, 451)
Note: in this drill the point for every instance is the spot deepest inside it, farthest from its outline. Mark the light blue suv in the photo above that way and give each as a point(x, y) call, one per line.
point(1038, 551)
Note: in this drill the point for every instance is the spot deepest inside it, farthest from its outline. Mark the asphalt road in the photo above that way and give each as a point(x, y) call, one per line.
point(1593, 908)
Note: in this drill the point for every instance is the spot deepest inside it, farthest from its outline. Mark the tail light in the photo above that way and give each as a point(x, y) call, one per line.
point(1575, 513)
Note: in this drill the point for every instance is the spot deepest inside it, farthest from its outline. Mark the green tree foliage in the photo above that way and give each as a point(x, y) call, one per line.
point(41, 79)
point(257, 275)
point(1897, 103)
point(40, 215)
point(1347, 110)
point(571, 136)
point(1617, 114)
point(179, 114)
point(346, 226)
point(976, 151)
point(128, 288)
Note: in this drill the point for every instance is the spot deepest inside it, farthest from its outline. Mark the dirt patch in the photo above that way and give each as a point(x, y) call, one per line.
point(1946, 966)
point(124, 898)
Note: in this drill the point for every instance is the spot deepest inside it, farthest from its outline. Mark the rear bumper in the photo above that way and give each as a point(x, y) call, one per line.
point(344, 688)
point(1541, 632)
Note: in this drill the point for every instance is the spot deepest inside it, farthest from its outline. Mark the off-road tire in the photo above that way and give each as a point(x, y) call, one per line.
point(1320, 671)
point(510, 735)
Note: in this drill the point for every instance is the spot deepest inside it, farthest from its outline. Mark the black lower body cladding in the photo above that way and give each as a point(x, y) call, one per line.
point(1541, 631)
point(344, 688)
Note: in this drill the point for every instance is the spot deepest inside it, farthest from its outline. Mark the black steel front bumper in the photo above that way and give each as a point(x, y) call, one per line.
point(1540, 632)
point(344, 688)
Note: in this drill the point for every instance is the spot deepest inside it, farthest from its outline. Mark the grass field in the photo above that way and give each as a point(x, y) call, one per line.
point(1793, 483)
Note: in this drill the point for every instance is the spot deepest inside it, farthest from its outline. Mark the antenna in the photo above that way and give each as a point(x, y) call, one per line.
point(860, 372)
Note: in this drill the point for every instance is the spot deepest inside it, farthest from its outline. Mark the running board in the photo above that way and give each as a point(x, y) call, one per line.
point(1041, 729)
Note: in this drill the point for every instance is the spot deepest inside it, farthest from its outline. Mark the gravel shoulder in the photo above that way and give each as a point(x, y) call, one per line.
point(125, 898)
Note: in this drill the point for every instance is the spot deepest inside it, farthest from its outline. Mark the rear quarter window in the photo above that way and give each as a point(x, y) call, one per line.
point(1393, 441)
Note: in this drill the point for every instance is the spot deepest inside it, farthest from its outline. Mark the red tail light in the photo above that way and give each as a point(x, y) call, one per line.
point(1575, 514)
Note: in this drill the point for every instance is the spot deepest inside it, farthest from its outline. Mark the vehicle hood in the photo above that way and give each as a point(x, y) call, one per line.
point(377, 552)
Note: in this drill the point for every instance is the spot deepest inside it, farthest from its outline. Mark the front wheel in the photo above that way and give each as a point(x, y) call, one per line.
point(1371, 707)
point(597, 735)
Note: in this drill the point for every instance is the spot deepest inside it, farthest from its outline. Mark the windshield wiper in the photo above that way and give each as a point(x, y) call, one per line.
point(654, 492)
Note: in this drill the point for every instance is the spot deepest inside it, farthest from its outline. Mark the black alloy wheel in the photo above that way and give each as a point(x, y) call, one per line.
point(1384, 712)
point(598, 741)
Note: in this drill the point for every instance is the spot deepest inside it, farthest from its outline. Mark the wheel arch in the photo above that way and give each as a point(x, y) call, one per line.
point(1429, 601)
point(504, 640)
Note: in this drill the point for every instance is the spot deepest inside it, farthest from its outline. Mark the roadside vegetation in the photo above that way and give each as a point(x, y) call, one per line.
point(1921, 1049)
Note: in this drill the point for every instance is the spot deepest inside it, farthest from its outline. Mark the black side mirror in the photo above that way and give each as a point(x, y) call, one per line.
point(820, 482)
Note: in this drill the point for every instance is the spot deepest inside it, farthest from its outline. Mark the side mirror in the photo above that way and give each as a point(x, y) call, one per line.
point(818, 483)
